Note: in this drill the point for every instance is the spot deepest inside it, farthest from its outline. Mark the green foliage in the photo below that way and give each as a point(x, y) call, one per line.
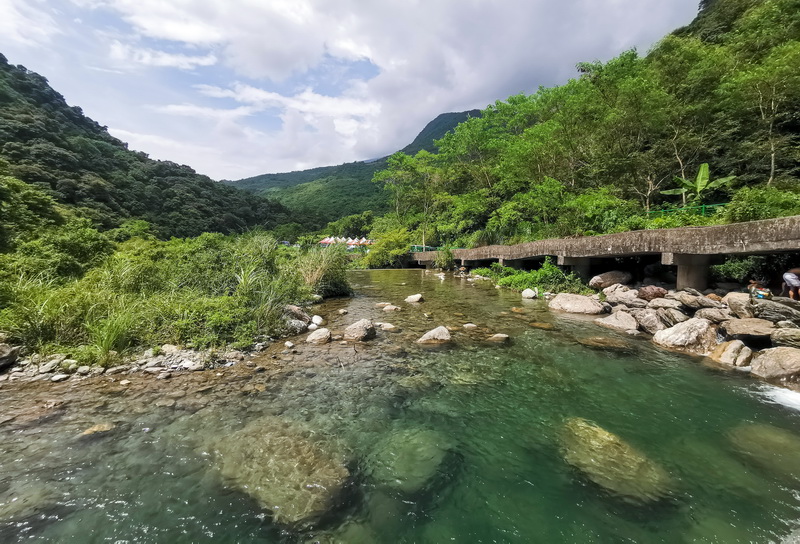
point(548, 278)
point(698, 187)
point(389, 249)
point(763, 268)
point(51, 146)
point(444, 259)
point(352, 226)
point(325, 270)
point(753, 203)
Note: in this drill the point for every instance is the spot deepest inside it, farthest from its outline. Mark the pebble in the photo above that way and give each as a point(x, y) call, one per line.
point(59, 378)
point(125, 382)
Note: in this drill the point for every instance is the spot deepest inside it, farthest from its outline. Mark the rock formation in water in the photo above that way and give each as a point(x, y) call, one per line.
point(408, 460)
point(770, 448)
point(278, 464)
point(613, 464)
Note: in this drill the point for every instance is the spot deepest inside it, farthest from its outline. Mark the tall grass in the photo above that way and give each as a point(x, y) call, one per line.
point(325, 270)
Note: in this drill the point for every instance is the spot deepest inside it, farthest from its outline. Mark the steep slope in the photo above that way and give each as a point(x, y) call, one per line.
point(47, 143)
point(324, 194)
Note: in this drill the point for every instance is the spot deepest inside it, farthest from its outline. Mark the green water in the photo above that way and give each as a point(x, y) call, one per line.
point(500, 409)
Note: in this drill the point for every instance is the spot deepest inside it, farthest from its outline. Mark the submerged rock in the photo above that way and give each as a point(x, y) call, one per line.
point(613, 464)
point(438, 335)
point(576, 304)
point(604, 343)
point(362, 329)
point(499, 338)
point(408, 460)
point(275, 462)
point(770, 448)
point(98, 429)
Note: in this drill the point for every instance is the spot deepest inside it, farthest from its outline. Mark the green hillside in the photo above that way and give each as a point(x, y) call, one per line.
point(710, 115)
point(319, 195)
point(54, 147)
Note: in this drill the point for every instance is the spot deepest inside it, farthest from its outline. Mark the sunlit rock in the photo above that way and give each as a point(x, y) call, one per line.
point(607, 279)
point(414, 298)
point(319, 336)
point(576, 304)
point(622, 321)
point(613, 464)
point(278, 464)
point(408, 460)
point(777, 363)
point(439, 335)
point(361, 330)
point(696, 336)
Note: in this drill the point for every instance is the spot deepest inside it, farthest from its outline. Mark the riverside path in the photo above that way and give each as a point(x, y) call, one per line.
point(690, 249)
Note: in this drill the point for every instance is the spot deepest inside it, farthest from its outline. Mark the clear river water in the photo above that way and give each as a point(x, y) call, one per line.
point(500, 409)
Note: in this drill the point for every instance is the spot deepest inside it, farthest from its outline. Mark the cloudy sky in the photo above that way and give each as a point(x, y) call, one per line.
point(236, 88)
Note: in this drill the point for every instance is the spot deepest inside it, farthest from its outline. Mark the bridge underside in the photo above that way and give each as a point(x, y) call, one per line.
point(691, 250)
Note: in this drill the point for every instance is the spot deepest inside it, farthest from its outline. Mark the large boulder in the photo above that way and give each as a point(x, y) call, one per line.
point(439, 335)
point(776, 363)
point(715, 315)
point(284, 468)
point(776, 310)
point(695, 335)
point(622, 321)
point(296, 326)
point(363, 329)
point(296, 312)
point(733, 353)
point(530, 293)
point(665, 303)
point(671, 316)
point(607, 279)
point(748, 329)
point(613, 464)
point(739, 304)
point(8, 356)
point(694, 300)
point(620, 294)
point(649, 320)
point(319, 336)
point(576, 304)
point(785, 337)
point(770, 448)
point(651, 292)
point(408, 460)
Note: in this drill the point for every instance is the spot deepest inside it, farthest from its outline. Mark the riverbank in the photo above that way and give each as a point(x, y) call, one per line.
point(503, 426)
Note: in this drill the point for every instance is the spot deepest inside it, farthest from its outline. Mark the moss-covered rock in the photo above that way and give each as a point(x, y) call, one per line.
point(408, 460)
point(613, 464)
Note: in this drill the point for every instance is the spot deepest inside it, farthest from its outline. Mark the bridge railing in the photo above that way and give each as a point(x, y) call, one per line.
point(703, 210)
point(420, 249)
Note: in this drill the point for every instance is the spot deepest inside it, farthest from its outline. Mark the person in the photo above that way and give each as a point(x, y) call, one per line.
point(792, 281)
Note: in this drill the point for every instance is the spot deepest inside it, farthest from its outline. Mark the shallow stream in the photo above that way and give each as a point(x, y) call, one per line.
point(498, 410)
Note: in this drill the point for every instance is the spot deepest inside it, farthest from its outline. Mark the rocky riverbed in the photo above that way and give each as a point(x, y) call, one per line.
point(516, 423)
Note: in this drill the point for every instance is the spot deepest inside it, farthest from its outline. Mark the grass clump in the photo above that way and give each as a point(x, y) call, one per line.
point(548, 278)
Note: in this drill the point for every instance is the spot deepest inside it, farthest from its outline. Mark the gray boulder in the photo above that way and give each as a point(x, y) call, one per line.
point(785, 337)
point(747, 329)
point(776, 363)
point(620, 294)
point(694, 300)
point(671, 316)
point(8, 356)
point(649, 320)
point(576, 304)
point(530, 293)
point(622, 321)
point(715, 315)
point(695, 335)
point(319, 336)
point(279, 464)
point(414, 298)
point(296, 326)
point(776, 310)
point(296, 312)
point(664, 303)
point(739, 304)
point(607, 279)
point(613, 464)
point(363, 329)
point(439, 335)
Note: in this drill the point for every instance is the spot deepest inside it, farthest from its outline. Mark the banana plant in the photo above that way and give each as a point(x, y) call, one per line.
point(701, 184)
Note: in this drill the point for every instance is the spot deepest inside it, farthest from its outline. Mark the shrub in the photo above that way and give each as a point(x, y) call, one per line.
point(324, 270)
point(754, 203)
point(547, 278)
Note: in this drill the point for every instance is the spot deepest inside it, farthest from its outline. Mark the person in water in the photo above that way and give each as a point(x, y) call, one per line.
point(792, 281)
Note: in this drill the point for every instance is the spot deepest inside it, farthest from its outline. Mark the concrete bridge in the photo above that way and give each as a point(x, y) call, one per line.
point(691, 249)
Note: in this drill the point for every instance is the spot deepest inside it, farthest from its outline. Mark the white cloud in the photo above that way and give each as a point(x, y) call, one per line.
point(26, 23)
point(303, 96)
point(149, 57)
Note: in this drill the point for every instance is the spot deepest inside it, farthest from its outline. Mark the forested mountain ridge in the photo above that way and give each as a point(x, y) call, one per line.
point(711, 114)
point(56, 148)
point(319, 195)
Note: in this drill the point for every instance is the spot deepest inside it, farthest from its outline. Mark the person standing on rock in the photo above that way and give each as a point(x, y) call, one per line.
point(792, 281)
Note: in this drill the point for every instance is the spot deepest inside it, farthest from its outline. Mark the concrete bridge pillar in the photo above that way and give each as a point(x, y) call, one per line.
point(512, 263)
point(579, 265)
point(692, 269)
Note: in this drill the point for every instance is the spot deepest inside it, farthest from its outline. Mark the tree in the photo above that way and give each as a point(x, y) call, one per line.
point(699, 186)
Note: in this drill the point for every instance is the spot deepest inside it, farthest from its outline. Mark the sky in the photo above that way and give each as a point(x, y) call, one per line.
point(237, 88)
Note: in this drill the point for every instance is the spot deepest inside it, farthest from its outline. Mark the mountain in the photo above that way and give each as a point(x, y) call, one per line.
point(55, 147)
point(320, 195)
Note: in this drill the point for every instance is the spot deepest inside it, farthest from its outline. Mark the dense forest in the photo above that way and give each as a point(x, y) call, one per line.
point(319, 195)
point(54, 147)
point(710, 115)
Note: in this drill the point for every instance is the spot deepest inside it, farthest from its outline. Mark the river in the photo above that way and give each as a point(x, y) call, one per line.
point(497, 410)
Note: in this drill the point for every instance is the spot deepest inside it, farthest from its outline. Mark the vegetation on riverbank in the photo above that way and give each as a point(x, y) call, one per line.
point(548, 278)
point(67, 287)
point(709, 115)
